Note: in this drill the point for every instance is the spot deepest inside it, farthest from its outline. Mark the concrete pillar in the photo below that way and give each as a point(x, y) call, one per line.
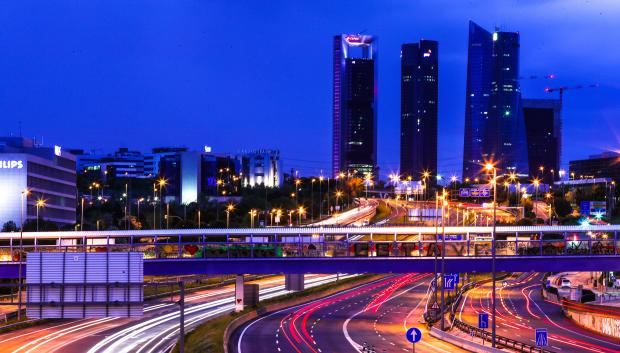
point(239, 302)
point(294, 282)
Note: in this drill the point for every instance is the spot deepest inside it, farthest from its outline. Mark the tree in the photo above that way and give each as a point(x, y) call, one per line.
point(563, 208)
point(9, 226)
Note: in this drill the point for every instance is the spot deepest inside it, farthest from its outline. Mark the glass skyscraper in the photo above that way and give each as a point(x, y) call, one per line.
point(354, 148)
point(494, 122)
point(544, 138)
point(418, 108)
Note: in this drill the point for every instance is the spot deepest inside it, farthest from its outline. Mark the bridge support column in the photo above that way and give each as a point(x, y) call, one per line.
point(239, 300)
point(294, 282)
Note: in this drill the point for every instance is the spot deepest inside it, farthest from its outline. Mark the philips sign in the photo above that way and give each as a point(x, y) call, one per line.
point(11, 164)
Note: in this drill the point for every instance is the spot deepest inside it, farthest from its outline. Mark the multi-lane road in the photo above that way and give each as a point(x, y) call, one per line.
point(155, 332)
point(521, 309)
point(374, 315)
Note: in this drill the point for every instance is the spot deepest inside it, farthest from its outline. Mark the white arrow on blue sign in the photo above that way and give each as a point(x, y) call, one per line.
point(449, 282)
point(542, 339)
point(414, 335)
point(483, 320)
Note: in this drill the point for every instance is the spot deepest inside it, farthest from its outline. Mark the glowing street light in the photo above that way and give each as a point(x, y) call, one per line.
point(228, 210)
point(40, 203)
point(490, 167)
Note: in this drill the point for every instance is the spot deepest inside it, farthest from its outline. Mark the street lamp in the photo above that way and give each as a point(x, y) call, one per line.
point(425, 176)
point(338, 195)
point(40, 203)
point(24, 200)
point(252, 214)
point(297, 183)
point(312, 199)
point(229, 209)
point(162, 183)
point(300, 212)
point(536, 185)
point(320, 197)
point(490, 167)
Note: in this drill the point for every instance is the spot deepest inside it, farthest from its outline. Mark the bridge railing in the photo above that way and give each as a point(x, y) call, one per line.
point(320, 247)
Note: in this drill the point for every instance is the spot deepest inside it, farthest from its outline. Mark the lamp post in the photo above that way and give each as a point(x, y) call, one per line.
point(167, 216)
point(162, 182)
point(300, 212)
point(24, 200)
point(229, 209)
point(297, 183)
point(338, 196)
point(536, 185)
point(425, 176)
point(252, 214)
point(490, 167)
point(444, 205)
point(82, 215)
point(320, 197)
point(290, 217)
point(138, 210)
point(40, 203)
point(312, 200)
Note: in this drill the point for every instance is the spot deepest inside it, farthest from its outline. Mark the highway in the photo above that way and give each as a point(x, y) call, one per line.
point(154, 332)
point(521, 309)
point(376, 315)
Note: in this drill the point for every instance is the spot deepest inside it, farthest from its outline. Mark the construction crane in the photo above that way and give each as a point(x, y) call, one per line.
point(561, 89)
point(536, 77)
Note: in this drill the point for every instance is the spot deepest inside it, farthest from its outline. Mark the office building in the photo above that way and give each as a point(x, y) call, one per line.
point(354, 148)
point(418, 108)
point(183, 174)
point(121, 164)
point(48, 173)
point(544, 138)
point(494, 122)
point(151, 160)
point(604, 165)
point(260, 167)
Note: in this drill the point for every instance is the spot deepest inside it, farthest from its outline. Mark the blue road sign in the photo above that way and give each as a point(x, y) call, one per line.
point(483, 320)
point(449, 282)
point(414, 335)
point(457, 278)
point(541, 337)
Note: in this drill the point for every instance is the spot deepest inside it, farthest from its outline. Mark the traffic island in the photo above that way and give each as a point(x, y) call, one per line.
point(213, 336)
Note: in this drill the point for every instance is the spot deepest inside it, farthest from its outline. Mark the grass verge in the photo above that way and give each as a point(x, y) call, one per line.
point(209, 337)
point(383, 211)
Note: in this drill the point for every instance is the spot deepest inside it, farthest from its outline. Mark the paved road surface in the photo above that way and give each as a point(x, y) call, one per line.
point(521, 309)
point(375, 314)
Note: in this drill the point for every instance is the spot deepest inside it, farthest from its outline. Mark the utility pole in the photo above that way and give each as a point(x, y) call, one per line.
point(182, 317)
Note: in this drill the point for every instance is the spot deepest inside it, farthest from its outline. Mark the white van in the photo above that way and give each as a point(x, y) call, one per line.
point(565, 283)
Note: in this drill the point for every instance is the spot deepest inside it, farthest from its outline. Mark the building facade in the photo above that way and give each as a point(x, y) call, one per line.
point(494, 122)
point(544, 138)
point(260, 167)
point(354, 147)
point(418, 108)
point(604, 165)
point(49, 175)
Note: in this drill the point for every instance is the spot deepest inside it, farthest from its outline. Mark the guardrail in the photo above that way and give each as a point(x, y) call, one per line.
point(317, 245)
point(486, 335)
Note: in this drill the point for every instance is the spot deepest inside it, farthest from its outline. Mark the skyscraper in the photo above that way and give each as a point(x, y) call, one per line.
point(494, 122)
point(354, 148)
point(418, 108)
point(544, 137)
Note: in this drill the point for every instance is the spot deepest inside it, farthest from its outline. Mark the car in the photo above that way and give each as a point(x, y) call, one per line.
point(565, 283)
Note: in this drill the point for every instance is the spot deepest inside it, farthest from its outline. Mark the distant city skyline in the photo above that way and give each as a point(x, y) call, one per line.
point(88, 76)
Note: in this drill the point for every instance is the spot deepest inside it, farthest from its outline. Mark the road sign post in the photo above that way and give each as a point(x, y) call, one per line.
point(449, 282)
point(542, 338)
point(483, 320)
point(414, 335)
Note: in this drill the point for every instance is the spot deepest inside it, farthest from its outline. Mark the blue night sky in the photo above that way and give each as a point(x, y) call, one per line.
point(257, 74)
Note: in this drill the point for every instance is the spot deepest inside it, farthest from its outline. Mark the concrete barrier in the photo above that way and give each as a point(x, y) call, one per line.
point(462, 342)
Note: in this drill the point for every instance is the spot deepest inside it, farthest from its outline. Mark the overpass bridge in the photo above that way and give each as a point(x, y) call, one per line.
point(336, 249)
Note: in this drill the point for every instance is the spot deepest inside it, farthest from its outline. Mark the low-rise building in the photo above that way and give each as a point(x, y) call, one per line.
point(47, 173)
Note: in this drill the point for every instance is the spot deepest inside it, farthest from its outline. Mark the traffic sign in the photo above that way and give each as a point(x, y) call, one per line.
point(449, 282)
point(457, 278)
point(414, 335)
point(483, 320)
point(541, 337)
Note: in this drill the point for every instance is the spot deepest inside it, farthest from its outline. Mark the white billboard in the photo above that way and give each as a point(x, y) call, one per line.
point(84, 285)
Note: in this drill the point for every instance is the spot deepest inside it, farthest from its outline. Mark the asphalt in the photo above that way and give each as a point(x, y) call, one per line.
point(521, 309)
point(376, 315)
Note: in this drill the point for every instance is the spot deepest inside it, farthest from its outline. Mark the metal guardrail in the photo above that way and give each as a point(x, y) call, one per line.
point(486, 335)
point(499, 340)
